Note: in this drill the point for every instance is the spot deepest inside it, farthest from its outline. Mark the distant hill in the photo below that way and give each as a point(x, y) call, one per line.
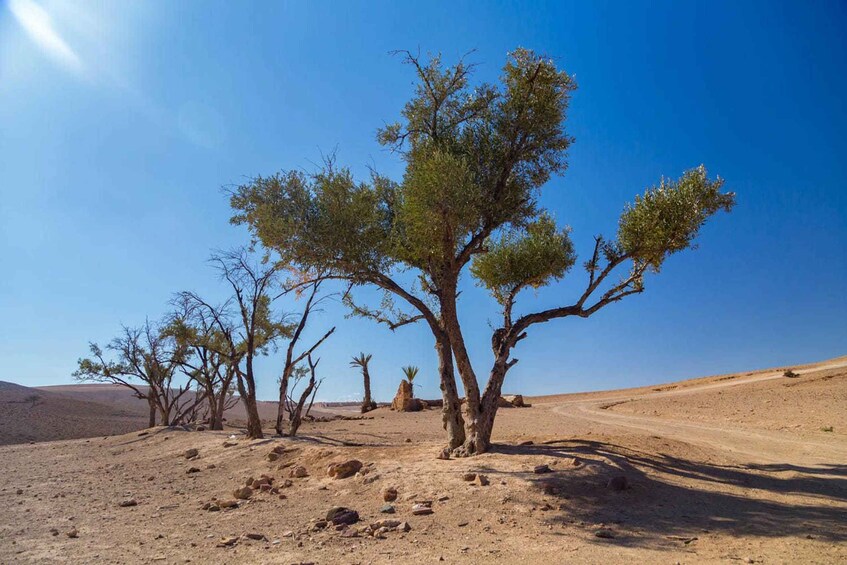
point(41, 414)
point(89, 410)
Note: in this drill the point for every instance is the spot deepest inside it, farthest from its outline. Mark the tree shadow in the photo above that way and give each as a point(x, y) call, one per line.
point(678, 498)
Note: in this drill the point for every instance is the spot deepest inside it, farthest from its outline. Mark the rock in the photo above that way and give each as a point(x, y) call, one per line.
point(342, 515)
point(191, 453)
point(469, 477)
point(503, 403)
point(444, 453)
point(618, 483)
point(243, 493)
point(249, 482)
point(192, 470)
point(482, 480)
point(128, 503)
point(604, 533)
point(350, 533)
point(404, 401)
point(201, 428)
point(298, 472)
point(541, 469)
point(370, 479)
point(228, 504)
point(256, 537)
point(389, 494)
point(229, 444)
point(516, 400)
point(228, 541)
point(212, 507)
point(387, 509)
point(575, 462)
point(421, 510)
point(345, 469)
point(444, 498)
point(273, 456)
point(404, 527)
point(72, 533)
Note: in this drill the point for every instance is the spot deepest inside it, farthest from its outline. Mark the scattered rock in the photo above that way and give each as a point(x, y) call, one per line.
point(469, 477)
point(128, 503)
point(299, 472)
point(229, 444)
point(228, 541)
point(516, 400)
point(201, 428)
point(142, 434)
point(349, 533)
point(345, 469)
point(72, 533)
point(192, 470)
point(604, 533)
point(541, 469)
point(444, 453)
point(243, 493)
point(273, 456)
point(387, 509)
point(421, 510)
point(370, 479)
point(389, 494)
point(342, 515)
point(618, 483)
point(482, 480)
point(228, 504)
point(191, 453)
point(444, 498)
point(256, 537)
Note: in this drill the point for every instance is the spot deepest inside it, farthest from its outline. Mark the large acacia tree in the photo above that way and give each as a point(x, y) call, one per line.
point(476, 158)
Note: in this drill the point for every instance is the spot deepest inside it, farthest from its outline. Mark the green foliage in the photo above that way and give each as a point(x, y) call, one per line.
point(361, 360)
point(411, 372)
point(475, 158)
point(530, 257)
point(667, 218)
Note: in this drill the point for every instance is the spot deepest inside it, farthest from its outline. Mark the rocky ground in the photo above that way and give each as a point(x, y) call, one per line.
point(575, 478)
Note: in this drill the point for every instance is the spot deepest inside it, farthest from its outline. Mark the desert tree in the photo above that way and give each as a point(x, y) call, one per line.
point(293, 359)
point(474, 157)
point(146, 360)
point(294, 403)
point(247, 325)
point(411, 372)
point(475, 160)
point(212, 362)
point(361, 361)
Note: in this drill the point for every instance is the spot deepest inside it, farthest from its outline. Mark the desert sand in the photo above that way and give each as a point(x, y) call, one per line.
point(732, 468)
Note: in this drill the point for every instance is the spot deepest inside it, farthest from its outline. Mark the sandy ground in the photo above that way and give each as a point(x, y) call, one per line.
point(709, 480)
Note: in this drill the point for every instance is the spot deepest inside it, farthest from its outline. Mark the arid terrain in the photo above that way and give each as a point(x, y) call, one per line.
point(746, 468)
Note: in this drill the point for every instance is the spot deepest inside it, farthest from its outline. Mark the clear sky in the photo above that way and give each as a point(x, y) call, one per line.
point(120, 122)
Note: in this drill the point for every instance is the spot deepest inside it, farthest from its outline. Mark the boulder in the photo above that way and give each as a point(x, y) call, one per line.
point(404, 401)
point(243, 493)
point(299, 472)
point(191, 453)
point(341, 515)
point(344, 469)
point(516, 400)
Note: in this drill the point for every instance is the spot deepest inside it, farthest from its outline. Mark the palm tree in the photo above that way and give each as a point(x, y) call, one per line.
point(411, 372)
point(362, 361)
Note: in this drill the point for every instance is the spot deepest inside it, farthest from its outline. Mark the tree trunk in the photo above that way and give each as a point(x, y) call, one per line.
point(283, 396)
point(451, 410)
point(367, 403)
point(151, 421)
point(295, 418)
point(450, 319)
point(248, 396)
point(480, 441)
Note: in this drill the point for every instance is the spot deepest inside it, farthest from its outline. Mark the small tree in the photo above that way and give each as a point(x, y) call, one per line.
point(361, 361)
point(152, 356)
point(295, 408)
point(411, 372)
point(292, 360)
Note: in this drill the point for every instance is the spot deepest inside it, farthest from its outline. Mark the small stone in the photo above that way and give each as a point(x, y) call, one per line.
point(299, 472)
point(421, 510)
point(228, 504)
point(192, 470)
point(201, 428)
point(389, 494)
point(618, 483)
point(387, 509)
point(408, 440)
point(228, 541)
point(482, 480)
point(243, 493)
point(444, 498)
point(345, 469)
point(229, 444)
point(72, 533)
point(54, 531)
point(256, 537)
point(19, 491)
point(404, 527)
point(190, 453)
point(273, 456)
point(350, 533)
point(469, 477)
point(604, 533)
point(128, 503)
point(444, 453)
point(342, 515)
point(541, 469)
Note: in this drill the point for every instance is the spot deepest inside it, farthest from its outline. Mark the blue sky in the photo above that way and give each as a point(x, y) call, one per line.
point(121, 121)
